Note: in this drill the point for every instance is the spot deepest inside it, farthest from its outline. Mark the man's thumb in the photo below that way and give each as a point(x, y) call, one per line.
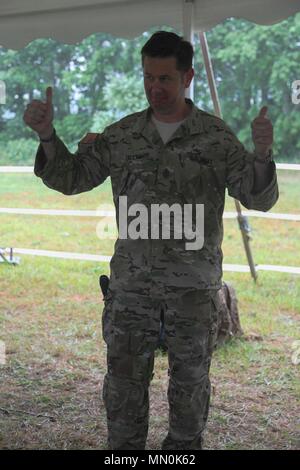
point(49, 96)
point(263, 111)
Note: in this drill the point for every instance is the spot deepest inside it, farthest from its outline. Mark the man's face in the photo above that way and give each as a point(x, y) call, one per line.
point(164, 84)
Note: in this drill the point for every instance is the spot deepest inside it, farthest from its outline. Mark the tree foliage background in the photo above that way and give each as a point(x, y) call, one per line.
point(99, 80)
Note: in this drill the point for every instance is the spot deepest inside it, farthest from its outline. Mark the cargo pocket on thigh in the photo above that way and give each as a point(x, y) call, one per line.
point(137, 343)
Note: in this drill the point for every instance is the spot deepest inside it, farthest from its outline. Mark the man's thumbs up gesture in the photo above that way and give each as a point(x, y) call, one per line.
point(262, 133)
point(39, 115)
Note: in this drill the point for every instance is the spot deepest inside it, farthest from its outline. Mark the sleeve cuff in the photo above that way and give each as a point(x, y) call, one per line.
point(42, 163)
point(266, 198)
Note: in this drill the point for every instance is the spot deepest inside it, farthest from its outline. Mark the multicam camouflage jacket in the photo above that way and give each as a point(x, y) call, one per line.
point(196, 165)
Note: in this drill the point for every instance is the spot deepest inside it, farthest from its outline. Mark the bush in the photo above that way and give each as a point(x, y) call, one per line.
point(18, 152)
point(73, 127)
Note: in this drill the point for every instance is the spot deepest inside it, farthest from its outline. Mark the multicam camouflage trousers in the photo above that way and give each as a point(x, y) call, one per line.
point(131, 324)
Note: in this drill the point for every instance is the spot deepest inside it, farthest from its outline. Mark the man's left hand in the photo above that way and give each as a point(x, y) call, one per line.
point(262, 133)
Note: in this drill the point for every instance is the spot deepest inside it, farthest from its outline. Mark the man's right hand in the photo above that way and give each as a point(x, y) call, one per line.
point(39, 116)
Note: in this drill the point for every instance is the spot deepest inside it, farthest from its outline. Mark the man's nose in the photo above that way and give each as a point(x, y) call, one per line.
point(156, 87)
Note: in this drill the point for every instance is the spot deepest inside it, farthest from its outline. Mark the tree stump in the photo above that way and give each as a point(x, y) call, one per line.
point(228, 321)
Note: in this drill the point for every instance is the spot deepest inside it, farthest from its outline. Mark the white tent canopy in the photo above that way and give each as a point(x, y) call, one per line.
point(69, 21)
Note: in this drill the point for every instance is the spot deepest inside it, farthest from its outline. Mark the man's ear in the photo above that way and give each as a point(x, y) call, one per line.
point(189, 75)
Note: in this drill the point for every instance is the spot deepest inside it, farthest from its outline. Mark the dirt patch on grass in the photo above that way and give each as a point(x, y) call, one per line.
point(59, 406)
point(43, 407)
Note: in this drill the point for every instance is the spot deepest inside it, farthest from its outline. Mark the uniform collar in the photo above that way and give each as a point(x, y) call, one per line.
point(192, 125)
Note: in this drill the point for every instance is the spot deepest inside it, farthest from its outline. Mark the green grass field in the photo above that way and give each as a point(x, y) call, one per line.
point(50, 322)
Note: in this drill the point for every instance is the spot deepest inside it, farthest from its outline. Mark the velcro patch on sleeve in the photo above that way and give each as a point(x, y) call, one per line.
point(89, 138)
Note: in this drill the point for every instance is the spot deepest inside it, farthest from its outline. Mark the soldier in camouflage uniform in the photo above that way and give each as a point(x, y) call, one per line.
point(170, 153)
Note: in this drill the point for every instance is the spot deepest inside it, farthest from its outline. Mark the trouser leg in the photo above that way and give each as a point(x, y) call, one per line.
point(190, 329)
point(131, 339)
point(127, 407)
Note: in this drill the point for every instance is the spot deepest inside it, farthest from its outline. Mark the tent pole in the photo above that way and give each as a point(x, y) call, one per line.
point(242, 220)
point(188, 34)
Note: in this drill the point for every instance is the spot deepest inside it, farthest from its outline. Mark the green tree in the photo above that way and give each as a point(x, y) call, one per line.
point(255, 65)
point(99, 80)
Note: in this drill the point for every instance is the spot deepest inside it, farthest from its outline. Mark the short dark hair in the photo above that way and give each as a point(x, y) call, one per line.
point(167, 44)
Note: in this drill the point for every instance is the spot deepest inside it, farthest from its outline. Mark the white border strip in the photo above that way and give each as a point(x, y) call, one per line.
point(100, 213)
point(29, 169)
point(16, 169)
point(261, 267)
point(62, 254)
point(288, 166)
point(64, 212)
point(263, 215)
point(106, 259)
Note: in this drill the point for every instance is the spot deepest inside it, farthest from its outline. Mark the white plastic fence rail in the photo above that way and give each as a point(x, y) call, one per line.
point(29, 169)
point(106, 259)
point(101, 213)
